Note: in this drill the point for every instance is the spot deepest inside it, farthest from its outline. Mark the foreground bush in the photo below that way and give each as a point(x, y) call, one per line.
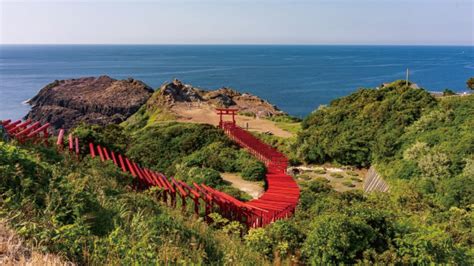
point(190, 152)
point(87, 212)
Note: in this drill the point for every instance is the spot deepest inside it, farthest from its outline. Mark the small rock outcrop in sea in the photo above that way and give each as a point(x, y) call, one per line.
point(94, 100)
point(177, 92)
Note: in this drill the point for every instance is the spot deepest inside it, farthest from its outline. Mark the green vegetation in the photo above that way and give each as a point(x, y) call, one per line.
point(405, 132)
point(352, 173)
point(190, 152)
point(284, 145)
point(437, 154)
point(304, 177)
point(288, 123)
point(320, 171)
point(151, 113)
point(87, 212)
point(363, 126)
point(336, 175)
point(422, 146)
point(348, 184)
point(349, 227)
point(448, 92)
point(470, 83)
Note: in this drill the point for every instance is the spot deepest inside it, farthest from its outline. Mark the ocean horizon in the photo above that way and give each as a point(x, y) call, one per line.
point(296, 78)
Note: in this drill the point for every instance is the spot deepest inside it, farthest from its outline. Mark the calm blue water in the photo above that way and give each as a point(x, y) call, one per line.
point(295, 78)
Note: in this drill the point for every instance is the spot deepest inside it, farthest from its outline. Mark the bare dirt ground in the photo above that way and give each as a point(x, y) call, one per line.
point(254, 189)
point(339, 178)
point(205, 114)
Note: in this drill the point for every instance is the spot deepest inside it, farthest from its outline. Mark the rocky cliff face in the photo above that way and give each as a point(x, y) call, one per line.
point(176, 92)
point(95, 100)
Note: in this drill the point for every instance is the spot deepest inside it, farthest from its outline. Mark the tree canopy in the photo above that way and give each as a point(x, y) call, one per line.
point(363, 126)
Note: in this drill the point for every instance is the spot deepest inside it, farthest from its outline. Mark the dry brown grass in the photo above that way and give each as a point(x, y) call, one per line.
point(205, 114)
point(13, 251)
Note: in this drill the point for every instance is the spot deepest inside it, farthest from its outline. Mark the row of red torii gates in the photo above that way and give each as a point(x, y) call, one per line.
point(279, 200)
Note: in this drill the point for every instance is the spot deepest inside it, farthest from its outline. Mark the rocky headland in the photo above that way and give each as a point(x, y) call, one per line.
point(175, 93)
point(104, 100)
point(94, 100)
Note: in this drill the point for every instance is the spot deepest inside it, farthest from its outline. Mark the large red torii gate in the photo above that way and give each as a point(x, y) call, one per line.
point(226, 111)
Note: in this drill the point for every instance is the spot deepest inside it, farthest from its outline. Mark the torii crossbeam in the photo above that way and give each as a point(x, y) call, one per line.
point(226, 111)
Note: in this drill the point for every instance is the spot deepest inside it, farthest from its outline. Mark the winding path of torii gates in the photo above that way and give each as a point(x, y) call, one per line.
point(279, 200)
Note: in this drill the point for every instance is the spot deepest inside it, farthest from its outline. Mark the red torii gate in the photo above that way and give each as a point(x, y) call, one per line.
point(226, 111)
point(278, 202)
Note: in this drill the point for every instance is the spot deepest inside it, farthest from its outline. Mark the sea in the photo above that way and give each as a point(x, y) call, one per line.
point(296, 78)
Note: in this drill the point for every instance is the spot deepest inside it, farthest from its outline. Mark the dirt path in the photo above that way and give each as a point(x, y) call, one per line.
point(254, 189)
point(206, 115)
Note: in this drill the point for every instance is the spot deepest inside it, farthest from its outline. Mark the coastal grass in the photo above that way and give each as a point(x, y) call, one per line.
point(87, 212)
point(287, 122)
point(292, 127)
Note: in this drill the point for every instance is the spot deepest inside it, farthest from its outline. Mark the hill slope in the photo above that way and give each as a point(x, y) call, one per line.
point(88, 212)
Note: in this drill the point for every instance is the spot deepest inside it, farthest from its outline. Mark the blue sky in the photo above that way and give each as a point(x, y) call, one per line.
point(419, 22)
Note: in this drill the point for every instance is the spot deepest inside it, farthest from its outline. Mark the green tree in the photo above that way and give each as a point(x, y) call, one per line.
point(470, 83)
point(258, 240)
point(448, 92)
point(337, 238)
point(286, 237)
point(362, 127)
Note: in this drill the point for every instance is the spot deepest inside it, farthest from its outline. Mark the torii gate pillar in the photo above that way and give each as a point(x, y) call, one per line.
point(226, 111)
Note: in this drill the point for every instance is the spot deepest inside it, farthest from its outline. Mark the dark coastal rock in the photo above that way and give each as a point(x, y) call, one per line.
point(171, 94)
point(94, 100)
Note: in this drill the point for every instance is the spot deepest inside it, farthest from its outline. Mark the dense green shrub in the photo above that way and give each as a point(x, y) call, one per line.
point(258, 240)
point(253, 170)
point(199, 175)
point(351, 227)
point(448, 92)
point(87, 212)
point(160, 147)
point(165, 147)
point(112, 136)
point(337, 238)
point(361, 127)
point(286, 237)
point(168, 146)
point(22, 177)
point(438, 150)
point(234, 192)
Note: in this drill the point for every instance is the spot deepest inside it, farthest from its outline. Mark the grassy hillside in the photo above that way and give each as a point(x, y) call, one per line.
point(424, 148)
point(363, 126)
point(190, 152)
point(437, 153)
point(87, 212)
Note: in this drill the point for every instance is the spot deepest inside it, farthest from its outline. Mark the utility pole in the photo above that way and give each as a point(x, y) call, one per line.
point(407, 78)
